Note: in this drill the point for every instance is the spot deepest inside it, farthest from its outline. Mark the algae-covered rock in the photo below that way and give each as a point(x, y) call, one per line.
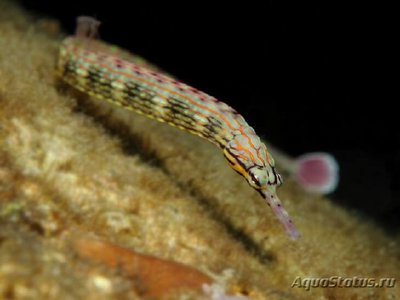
point(96, 202)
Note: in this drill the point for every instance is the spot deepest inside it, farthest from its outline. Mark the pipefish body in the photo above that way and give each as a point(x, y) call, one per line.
point(100, 70)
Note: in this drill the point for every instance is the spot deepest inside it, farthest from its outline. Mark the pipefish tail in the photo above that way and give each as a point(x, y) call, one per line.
point(106, 72)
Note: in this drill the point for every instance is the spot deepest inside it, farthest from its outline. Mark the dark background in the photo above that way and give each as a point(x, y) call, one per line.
point(307, 77)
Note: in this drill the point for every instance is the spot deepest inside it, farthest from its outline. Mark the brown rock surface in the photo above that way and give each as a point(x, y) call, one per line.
point(76, 169)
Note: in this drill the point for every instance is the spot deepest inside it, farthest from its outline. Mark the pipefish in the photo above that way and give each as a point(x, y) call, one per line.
point(101, 70)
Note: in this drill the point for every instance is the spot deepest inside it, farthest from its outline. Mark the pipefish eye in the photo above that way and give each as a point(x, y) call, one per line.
point(257, 177)
point(275, 178)
point(254, 181)
point(279, 179)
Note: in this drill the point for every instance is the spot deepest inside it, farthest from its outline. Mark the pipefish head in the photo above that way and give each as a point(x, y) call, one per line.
point(258, 168)
point(262, 177)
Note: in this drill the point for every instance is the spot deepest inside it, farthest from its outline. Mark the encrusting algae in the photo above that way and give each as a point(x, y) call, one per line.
point(94, 200)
